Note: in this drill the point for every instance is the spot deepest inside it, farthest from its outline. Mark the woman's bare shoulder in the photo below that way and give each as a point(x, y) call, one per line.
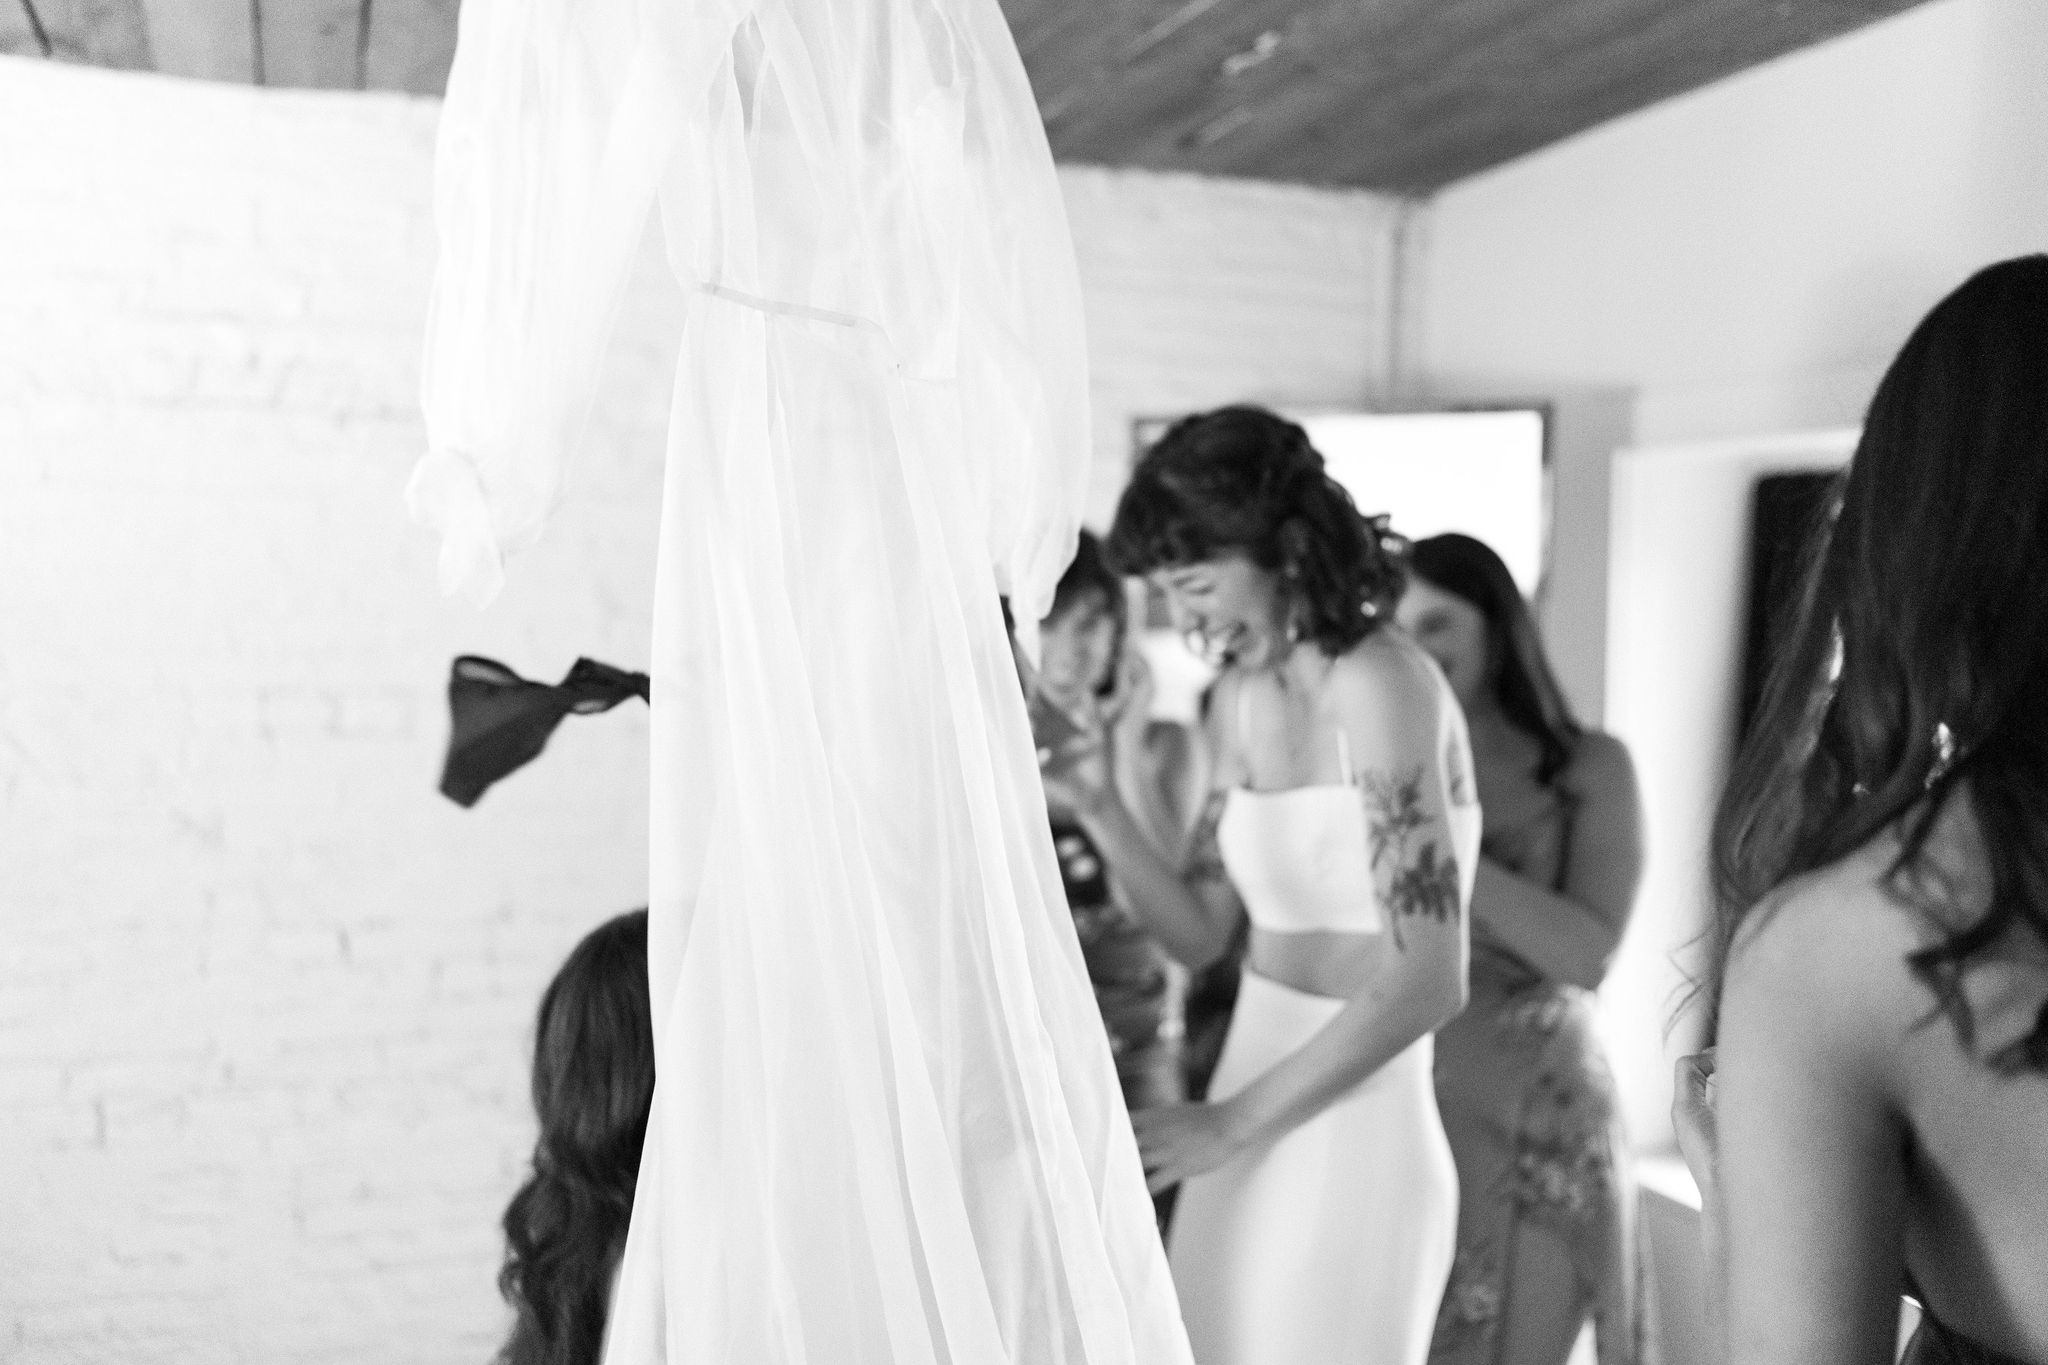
point(1821, 965)
point(1387, 669)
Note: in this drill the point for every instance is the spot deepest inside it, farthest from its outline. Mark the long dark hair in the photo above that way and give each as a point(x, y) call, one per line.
point(1522, 681)
point(1918, 665)
point(1242, 478)
point(593, 1081)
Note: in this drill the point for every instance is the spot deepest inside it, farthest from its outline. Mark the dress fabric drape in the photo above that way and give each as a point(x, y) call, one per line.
point(887, 1125)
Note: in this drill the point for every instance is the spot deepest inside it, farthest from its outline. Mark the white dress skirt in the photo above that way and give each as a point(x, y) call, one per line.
point(887, 1128)
point(1331, 1245)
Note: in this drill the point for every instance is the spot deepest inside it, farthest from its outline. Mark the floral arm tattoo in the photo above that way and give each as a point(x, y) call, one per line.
point(1204, 862)
point(1416, 878)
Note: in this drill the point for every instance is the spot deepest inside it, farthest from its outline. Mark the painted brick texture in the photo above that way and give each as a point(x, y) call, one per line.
point(264, 995)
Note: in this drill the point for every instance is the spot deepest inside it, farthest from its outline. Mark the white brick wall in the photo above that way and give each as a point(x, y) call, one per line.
point(1202, 292)
point(263, 994)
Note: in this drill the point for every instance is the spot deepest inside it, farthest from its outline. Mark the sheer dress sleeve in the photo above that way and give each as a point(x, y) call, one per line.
point(560, 116)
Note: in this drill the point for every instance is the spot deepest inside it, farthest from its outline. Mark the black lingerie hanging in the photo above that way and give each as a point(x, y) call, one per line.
point(501, 721)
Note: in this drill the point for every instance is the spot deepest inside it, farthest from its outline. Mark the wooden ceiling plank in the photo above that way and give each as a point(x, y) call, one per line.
point(212, 40)
point(1514, 102)
point(1371, 66)
point(1417, 104)
point(1169, 84)
point(1268, 97)
point(1374, 60)
point(1068, 51)
point(96, 32)
point(312, 44)
point(1402, 95)
point(411, 45)
point(18, 35)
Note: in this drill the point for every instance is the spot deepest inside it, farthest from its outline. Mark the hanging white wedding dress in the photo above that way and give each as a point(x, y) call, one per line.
point(887, 1127)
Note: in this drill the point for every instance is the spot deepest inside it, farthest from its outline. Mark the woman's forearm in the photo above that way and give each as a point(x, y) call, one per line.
point(1195, 931)
point(1558, 936)
point(1373, 1028)
point(1139, 787)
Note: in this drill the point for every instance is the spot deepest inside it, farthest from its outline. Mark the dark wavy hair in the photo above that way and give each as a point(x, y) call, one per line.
point(1088, 575)
point(1917, 669)
point(1242, 478)
point(593, 1081)
point(1523, 682)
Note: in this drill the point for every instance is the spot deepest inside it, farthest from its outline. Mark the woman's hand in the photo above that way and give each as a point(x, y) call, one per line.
point(1692, 1116)
point(1177, 1141)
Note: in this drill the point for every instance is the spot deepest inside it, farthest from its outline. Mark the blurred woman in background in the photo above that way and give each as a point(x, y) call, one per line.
point(593, 1081)
point(1880, 974)
point(1094, 680)
point(1546, 1223)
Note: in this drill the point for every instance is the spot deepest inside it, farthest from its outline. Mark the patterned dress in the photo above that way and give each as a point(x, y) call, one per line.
point(1529, 1106)
point(1126, 968)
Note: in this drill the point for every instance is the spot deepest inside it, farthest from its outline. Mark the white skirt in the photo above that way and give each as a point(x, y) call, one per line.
point(1331, 1245)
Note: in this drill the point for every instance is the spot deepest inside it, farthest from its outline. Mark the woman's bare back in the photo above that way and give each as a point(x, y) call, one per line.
point(1976, 1226)
point(1969, 1144)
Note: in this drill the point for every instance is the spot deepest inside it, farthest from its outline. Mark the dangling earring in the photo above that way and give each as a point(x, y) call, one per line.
point(1292, 576)
point(1944, 754)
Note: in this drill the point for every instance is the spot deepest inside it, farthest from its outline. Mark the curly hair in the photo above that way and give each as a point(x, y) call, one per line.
point(1917, 672)
point(593, 1083)
point(1245, 479)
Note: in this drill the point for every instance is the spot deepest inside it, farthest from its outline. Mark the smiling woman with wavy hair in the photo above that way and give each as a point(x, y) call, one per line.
point(1318, 1199)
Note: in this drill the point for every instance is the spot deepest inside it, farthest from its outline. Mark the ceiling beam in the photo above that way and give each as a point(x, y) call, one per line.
point(1558, 80)
point(21, 31)
point(93, 32)
point(411, 45)
point(212, 40)
point(311, 44)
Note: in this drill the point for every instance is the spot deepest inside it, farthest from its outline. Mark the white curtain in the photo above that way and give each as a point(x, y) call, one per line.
point(887, 1126)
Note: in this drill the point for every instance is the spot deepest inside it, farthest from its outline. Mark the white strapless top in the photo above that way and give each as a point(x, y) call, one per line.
point(1300, 859)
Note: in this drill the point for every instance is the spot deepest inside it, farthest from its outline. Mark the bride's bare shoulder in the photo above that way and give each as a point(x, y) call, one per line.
point(1387, 668)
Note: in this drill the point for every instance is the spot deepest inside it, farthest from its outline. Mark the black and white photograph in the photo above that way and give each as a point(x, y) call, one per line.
point(1023, 682)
